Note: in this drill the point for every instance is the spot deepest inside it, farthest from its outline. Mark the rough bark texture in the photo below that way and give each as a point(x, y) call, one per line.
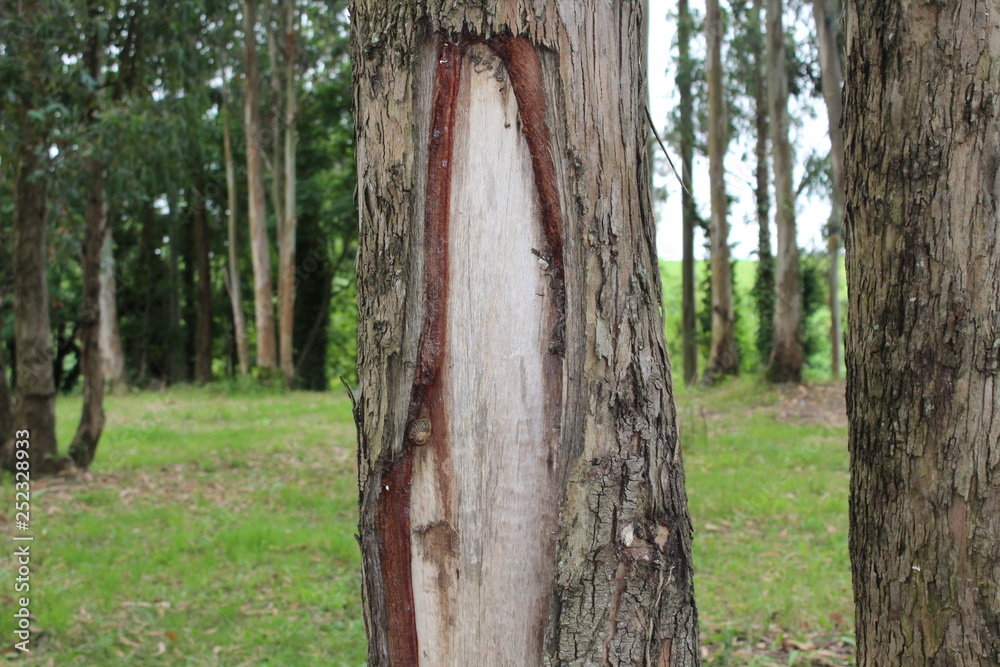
point(233, 285)
point(526, 354)
point(83, 448)
point(6, 403)
point(286, 245)
point(110, 341)
point(723, 359)
point(88, 432)
point(923, 269)
point(785, 364)
point(259, 246)
point(203, 334)
point(689, 213)
point(827, 15)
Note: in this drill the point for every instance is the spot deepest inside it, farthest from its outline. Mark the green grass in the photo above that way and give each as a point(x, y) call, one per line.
point(212, 530)
point(767, 479)
point(218, 529)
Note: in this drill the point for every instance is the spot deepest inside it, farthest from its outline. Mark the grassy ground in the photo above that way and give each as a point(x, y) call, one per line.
point(767, 479)
point(212, 531)
point(218, 530)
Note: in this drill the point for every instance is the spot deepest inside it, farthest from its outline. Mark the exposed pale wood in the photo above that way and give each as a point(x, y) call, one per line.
point(483, 553)
point(112, 355)
point(233, 285)
point(621, 579)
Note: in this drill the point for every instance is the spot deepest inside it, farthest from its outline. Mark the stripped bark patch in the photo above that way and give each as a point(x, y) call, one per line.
point(393, 505)
point(525, 70)
point(484, 499)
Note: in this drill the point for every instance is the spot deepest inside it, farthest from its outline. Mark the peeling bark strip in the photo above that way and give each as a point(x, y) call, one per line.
point(392, 519)
point(525, 70)
point(558, 467)
point(436, 210)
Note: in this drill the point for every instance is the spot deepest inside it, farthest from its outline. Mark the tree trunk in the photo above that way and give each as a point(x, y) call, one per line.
point(176, 354)
point(259, 247)
point(827, 14)
point(286, 240)
point(314, 293)
point(277, 94)
point(689, 213)
point(109, 338)
point(203, 338)
point(923, 347)
point(35, 388)
point(785, 364)
point(6, 416)
point(233, 284)
point(6, 404)
point(723, 359)
point(36, 392)
point(147, 286)
point(88, 432)
point(763, 288)
point(516, 415)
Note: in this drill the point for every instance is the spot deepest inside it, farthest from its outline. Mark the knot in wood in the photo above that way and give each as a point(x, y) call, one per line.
point(419, 431)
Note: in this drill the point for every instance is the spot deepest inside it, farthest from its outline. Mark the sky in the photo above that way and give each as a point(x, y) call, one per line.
point(811, 212)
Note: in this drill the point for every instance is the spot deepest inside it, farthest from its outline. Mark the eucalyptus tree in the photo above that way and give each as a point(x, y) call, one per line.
point(763, 287)
point(31, 70)
point(516, 409)
point(827, 14)
point(785, 363)
point(256, 202)
point(923, 346)
point(723, 357)
point(685, 131)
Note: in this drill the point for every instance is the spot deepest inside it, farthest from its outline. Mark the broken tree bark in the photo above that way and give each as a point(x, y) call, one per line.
point(521, 485)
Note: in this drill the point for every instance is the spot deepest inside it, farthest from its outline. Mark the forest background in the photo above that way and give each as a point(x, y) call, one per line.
point(129, 132)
